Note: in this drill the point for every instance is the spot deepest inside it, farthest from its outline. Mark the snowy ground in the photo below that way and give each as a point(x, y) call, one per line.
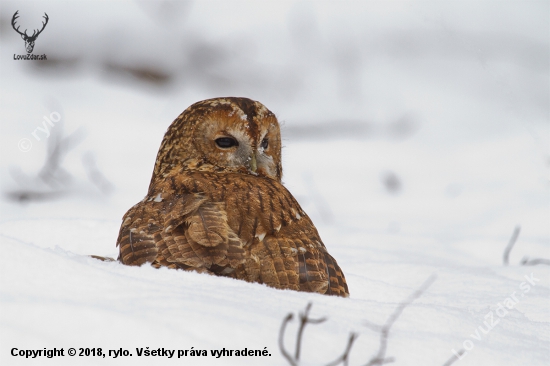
point(416, 137)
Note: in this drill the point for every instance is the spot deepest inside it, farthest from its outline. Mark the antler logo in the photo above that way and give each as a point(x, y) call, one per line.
point(29, 40)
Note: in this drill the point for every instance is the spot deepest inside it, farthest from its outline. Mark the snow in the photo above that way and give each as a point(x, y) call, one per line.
point(416, 136)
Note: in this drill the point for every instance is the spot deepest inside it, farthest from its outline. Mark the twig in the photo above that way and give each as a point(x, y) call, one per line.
point(52, 172)
point(95, 175)
point(281, 338)
point(525, 261)
point(380, 357)
point(533, 262)
point(304, 319)
point(23, 196)
point(453, 358)
point(345, 355)
point(510, 245)
point(53, 181)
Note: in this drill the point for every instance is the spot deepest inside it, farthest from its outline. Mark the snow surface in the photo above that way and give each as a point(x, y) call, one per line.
point(416, 136)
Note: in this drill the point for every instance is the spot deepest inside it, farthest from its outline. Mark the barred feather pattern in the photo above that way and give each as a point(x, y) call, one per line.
point(221, 209)
point(230, 224)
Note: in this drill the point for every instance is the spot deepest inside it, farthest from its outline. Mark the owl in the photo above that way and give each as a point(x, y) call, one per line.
point(216, 204)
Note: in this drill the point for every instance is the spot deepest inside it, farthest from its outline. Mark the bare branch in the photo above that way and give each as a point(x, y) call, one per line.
point(345, 355)
point(453, 359)
point(384, 330)
point(304, 319)
point(525, 260)
point(58, 148)
point(25, 195)
point(95, 175)
point(52, 180)
point(281, 340)
point(510, 245)
point(533, 262)
point(371, 325)
point(380, 357)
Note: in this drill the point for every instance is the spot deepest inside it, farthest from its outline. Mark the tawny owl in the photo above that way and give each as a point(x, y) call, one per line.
point(216, 204)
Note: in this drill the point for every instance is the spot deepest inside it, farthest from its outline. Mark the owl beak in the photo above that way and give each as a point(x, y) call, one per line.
point(253, 164)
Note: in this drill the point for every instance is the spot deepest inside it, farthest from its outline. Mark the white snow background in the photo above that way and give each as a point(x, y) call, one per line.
point(416, 136)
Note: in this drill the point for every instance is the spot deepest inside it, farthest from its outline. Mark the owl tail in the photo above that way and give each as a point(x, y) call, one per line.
point(337, 282)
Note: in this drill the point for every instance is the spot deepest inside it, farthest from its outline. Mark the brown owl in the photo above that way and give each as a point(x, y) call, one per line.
point(216, 204)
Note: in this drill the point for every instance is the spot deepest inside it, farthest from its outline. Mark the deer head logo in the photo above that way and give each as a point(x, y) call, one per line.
point(29, 40)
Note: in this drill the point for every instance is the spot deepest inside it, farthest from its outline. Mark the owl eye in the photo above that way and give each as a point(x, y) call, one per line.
point(264, 144)
point(226, 142)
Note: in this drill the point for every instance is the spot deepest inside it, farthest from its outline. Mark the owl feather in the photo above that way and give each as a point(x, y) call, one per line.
point(216, 205)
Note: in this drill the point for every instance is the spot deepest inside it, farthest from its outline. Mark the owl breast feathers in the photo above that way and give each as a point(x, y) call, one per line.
point(216, 204)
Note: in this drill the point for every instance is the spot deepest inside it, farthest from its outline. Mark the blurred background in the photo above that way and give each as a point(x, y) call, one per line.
point(411, 118)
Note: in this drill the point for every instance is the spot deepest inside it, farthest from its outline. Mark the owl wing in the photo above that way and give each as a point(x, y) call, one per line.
point(282, 246)
point(136, 238)
point(185, 231)
point(294, 259)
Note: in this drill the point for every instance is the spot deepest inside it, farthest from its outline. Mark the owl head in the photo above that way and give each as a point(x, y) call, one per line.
point(224, 135)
